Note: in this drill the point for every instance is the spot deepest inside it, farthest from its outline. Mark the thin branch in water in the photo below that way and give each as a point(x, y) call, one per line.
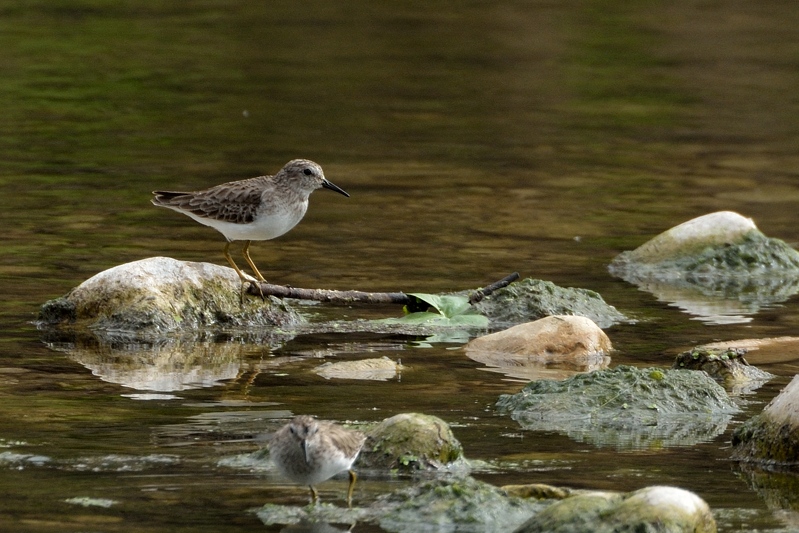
point(348, 297)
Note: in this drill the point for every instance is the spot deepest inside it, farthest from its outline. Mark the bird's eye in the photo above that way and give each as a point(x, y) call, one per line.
point(307, 172)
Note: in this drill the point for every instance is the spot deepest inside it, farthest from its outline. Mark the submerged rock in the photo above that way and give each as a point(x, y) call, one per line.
point(726, 366)
point(158, 295)
point(650, 510)
point(572, 343)
point(411, 441)
point(772, 437)
point(375, 369)
point(713, 258)
point(531, 299)
point(626, 407)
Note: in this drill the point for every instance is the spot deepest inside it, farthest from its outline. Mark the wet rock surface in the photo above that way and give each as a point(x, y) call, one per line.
point(727, 366)
point(654, 509)
point(409, 442)
point(566, 342)
point(625, 407)
point(716, 265)
point(531, 299)
point(159, 295)
point(374, 369)
point(771, 438)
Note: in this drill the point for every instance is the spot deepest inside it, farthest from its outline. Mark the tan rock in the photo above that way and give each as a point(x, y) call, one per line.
point(568, 342)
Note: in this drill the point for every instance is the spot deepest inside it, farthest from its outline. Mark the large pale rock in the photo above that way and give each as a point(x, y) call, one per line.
point(692, 237)
point(655, 509)
point(772, 437)
point(719, 267)
point(160, 295)
point(570, 342)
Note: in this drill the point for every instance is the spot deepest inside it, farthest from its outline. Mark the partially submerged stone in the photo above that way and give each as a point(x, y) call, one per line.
point(570, 343)
point(537, 491)
point(463, 504)
point(766, 351)
point(625, 407)
point(531, 299)
point(719, 256)
point(374, 369)
point(727, 366)
point(158, 295)
point(411, 441)
point(655, 509)
point(772, 437)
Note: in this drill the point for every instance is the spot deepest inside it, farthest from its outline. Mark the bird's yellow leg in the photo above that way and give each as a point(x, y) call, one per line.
point(233, 263)
point(246, 253)
point(353, 479)
point(230, 260)
point(314, 495)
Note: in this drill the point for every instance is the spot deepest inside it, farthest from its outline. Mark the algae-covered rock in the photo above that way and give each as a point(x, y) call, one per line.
point(155, 296)
point(625, 407)
point(772, 437)
point(531, 299)
point(711, 259)
point(572, 343)
point(649, 510)
point(726, 366)
point(463, 504)
point(411, 441)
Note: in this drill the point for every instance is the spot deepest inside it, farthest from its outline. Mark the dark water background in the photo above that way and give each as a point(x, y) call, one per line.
point(476, 139)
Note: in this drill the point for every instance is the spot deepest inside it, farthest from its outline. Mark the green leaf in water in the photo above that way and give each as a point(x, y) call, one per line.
point(453, 310)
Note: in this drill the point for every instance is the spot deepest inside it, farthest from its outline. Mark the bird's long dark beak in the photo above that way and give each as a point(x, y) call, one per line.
point(327, 185)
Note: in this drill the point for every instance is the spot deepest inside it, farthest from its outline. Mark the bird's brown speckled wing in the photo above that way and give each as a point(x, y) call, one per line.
point(347, 440)
point(235, 202)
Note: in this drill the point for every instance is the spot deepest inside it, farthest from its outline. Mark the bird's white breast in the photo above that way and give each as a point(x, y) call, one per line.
point(266, 226)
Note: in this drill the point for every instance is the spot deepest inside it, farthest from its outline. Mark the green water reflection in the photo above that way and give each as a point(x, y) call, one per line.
point(476, 139)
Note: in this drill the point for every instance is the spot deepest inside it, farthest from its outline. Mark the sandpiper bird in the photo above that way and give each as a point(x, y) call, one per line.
point(255, 209)
point(309, 451)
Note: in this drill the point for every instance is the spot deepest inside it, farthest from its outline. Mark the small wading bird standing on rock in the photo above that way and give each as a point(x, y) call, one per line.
point(309, 451)
point(255, 209)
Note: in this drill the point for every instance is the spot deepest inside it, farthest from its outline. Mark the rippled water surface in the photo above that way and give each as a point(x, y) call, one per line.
point(476, 140)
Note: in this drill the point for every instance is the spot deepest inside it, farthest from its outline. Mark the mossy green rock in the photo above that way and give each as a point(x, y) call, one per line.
point(727, 366)
point(531, 299)
point(462, 504)
point(625, 407)
point(411, 441)
point(159, 295)
point(649, 510)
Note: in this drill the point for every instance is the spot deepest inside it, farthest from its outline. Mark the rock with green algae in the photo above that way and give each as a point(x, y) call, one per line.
point(531, 299)
point(626, 407)
point(727, 366)
point(410, 442)
point(653, 509)
point(721, 253)
point(160, 295)
point(461, 504)
point(451, 504)
point(771, 438)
